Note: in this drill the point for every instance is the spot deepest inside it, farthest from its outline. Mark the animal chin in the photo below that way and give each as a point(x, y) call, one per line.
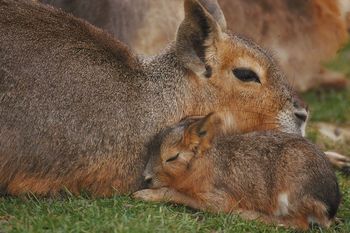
point(303, 129)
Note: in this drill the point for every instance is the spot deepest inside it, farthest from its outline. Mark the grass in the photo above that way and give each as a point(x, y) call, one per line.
point(341, 62)
point(122, 214)
point(329, 106)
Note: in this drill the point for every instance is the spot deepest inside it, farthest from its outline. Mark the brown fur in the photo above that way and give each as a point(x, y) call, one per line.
point(77, 107)
point(303, 34)
point(273, 177)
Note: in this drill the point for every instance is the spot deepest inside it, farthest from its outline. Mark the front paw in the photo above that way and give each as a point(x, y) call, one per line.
point(147, 195)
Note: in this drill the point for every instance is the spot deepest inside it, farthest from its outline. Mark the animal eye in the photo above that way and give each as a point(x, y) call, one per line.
point(173, 158)
point(246, 75)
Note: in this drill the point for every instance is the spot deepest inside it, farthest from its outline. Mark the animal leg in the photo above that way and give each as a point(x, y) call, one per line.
point(167, 195)
point(339, 161)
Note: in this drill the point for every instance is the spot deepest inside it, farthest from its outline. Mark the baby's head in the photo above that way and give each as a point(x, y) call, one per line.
point(175, 148)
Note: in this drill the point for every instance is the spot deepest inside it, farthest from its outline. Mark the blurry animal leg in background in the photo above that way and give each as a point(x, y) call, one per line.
point(339, 161)
point(331, 79)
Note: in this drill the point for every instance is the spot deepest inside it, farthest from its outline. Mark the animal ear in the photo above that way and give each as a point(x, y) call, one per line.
point(198, 34)
point(200, 134)
point(213, 7)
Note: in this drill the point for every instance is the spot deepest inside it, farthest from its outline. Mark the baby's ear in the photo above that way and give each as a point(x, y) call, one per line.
point(199, 135)
point(198, 34)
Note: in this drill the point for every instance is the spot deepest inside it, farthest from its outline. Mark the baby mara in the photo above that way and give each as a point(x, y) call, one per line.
point(274, 177)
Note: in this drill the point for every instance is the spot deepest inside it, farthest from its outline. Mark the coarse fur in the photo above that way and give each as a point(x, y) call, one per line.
point(77, 107)
point(303, 34)
point(274, 177)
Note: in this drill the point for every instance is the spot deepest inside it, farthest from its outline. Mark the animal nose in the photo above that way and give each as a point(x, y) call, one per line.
point(301, 110)
point(147, 182)
point(301, 115)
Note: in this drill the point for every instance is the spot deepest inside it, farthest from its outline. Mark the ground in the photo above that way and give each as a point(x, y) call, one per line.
point(122, 214)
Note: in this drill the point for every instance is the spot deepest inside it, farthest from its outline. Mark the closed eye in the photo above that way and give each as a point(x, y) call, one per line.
point(173, 158)
point(246, 75)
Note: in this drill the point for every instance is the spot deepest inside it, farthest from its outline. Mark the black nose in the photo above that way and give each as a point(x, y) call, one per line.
point(301, 115)
point(147, 182)
point(300, 109)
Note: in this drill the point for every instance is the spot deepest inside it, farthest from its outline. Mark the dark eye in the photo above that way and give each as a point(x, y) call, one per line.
point(173, 158)
point(246, 75)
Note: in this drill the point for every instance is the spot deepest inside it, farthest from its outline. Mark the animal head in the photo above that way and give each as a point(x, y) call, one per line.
point(235, 74)
point(174, 149)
